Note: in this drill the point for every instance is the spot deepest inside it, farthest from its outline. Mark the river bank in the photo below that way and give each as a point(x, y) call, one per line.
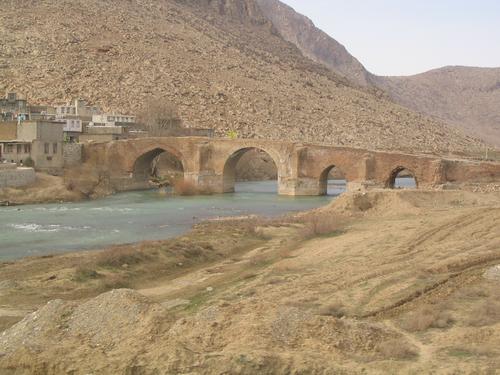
point(46, 189)
point(388, 281)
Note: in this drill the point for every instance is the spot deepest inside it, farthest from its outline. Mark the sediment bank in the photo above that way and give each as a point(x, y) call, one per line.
point(392, 281)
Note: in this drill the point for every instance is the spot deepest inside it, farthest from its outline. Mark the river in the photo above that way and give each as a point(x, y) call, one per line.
point(134, 216)
point(139, 216)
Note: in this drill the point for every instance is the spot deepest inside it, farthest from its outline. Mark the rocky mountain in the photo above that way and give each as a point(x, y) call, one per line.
point(222, 62)
point(467, 98)
point(313, 42)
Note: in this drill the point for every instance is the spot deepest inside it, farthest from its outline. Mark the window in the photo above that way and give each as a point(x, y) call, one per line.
point(27, 148)
point(9, 148)
point(19, 149)
point(54, 148)
point(46, 147)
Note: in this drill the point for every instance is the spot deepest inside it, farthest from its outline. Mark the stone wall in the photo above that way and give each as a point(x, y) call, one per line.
point(72, 154)
point(16, 177)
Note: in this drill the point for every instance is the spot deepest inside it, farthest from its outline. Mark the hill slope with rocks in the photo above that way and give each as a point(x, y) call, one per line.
point(467, 98)
point(221, 62)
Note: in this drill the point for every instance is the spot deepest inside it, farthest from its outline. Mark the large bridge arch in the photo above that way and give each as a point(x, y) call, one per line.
point(145, 165)
point(229, 169)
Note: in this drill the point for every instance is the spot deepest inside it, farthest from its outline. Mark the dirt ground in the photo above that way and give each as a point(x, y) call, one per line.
point(399, 282)
point(45, 189)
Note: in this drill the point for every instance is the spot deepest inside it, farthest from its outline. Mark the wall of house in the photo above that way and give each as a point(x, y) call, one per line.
point(10, 176)
point(72, 154)
point(47, 144)
point(18, 154)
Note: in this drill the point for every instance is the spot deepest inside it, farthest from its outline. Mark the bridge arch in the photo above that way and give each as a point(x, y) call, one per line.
point(231, 161)
point(335, 174)
point(160, 162)
point(401, 177)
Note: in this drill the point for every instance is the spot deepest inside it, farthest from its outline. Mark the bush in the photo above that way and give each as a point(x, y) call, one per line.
point(427, 317)
point(29, 162)
point(319, 224)
point(118, 257)
point(335, 309)
point(84, 273)
point(397, 349)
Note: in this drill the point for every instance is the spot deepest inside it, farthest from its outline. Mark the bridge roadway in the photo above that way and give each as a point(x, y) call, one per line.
point(209, 164)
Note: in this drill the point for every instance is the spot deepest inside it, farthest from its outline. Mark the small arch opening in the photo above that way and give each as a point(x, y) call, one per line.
point(158, 168)
point(250, 170)
point(332, 181)
point(402, 178)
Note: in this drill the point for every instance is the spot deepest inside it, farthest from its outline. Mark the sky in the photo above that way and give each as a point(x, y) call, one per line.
point(404, 37)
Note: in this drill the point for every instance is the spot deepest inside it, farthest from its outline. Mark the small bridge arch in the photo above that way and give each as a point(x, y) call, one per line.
point(391, 181)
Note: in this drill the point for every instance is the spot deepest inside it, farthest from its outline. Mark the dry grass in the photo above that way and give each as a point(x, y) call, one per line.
point(320, 224)
point(487, 313)
point(427, 317)
point(336, 309)
point(84, 273)
point(397, 349)
point(120, 257)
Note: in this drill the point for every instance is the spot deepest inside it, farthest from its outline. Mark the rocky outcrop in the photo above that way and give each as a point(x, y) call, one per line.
point(313, 42)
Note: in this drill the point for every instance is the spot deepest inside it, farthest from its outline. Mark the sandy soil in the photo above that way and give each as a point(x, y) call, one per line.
point(45, 189)
point(380, 283)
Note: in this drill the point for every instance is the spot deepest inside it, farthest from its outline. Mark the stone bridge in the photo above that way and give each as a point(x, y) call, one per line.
point(209, 164)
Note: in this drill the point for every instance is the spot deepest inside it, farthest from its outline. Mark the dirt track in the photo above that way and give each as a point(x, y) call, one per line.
point(396, 286)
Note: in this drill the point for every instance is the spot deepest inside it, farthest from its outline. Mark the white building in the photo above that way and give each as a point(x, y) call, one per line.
point(73, 125)
point(108, 119)
point(78, 108)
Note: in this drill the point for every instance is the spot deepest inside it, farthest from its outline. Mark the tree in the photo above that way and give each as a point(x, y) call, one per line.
point(159, 117)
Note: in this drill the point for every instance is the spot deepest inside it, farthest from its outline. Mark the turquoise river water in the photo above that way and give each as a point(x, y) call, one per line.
point(135, 216)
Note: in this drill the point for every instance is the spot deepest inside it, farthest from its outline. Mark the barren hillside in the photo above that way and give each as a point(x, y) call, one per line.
point(221, 62)
point(467, 98)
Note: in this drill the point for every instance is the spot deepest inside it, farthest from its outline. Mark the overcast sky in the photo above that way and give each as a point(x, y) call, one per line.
point(403, 37)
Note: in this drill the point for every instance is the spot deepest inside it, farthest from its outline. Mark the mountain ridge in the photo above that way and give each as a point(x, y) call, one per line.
point(468, 106)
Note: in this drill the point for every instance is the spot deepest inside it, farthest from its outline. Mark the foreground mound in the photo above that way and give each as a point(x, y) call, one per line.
point(390, 202)
point(122, 332)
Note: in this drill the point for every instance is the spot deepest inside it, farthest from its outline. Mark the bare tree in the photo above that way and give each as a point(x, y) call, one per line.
point(159, 117)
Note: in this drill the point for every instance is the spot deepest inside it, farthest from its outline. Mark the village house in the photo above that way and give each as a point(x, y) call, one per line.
point(39, 142)
point(107, 119)
point(103, 133)
point(79, 108)
point(12, 106)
